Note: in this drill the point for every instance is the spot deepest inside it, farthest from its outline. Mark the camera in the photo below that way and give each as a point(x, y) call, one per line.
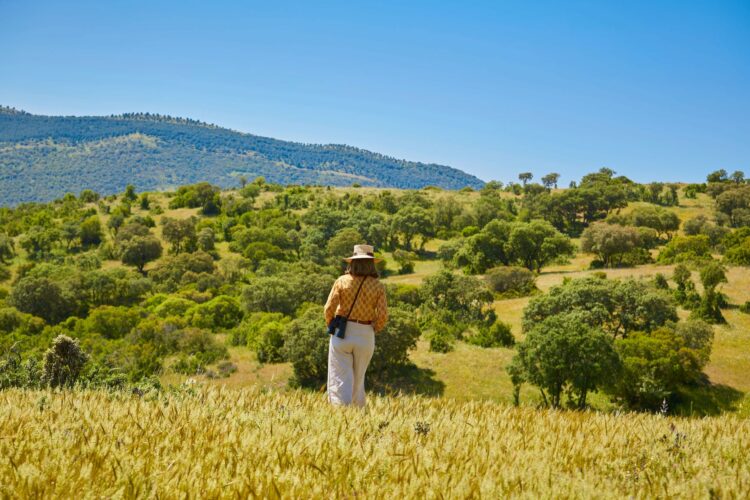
point(337, 326)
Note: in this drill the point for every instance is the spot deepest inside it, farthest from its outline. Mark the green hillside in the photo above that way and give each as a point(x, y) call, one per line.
point(44, 157)
point(226, 286)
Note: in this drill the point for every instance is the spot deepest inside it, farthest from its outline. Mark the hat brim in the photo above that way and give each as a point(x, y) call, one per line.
point(361, 257)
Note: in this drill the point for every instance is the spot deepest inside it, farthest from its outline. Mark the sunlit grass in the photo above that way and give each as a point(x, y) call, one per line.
point(259, 443)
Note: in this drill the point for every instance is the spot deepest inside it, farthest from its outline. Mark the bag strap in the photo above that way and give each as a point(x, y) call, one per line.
point(355, 297)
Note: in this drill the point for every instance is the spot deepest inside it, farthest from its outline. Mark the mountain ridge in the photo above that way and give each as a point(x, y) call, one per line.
point(42, 157)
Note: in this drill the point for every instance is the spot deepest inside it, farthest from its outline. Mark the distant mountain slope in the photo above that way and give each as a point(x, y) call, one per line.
point(43, 157)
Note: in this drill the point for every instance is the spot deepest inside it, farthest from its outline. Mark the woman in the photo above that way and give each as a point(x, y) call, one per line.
point(348, 357)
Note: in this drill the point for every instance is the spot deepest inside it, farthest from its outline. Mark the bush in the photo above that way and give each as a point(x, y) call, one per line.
point(686, 248)
point(497, 335)
point(13, 320)
point(660, 282)
point(393, 343)
point(270, 342)
point(199, 349)
point(403, 295)
point(14, 372)
point(285, 292)
point(63, 362)
point(511, 280)
point(405, 261)
point(655, 365)
point(442, 339)
point(5, 273)
point(739, 254)
point(745, 308)
point(306, 347)
point(112, 322)
point(173, 306)
point(219, 313)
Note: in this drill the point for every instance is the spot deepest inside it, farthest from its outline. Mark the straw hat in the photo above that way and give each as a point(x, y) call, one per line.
point(362, 252)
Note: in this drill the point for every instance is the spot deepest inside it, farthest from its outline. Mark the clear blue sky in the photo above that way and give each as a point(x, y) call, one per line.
point(657, 90)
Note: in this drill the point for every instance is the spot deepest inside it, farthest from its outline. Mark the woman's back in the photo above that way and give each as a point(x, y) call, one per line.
point(370, 307)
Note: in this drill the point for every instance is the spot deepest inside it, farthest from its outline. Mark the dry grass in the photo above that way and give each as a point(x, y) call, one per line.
point(255, 443)
point(422, 269)
point(249, 372)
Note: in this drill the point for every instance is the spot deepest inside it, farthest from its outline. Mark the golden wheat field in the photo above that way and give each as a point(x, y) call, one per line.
point(226, 443)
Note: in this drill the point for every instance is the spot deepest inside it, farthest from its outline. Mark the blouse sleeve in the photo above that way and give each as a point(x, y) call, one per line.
point(332, 303)
point(381, 317)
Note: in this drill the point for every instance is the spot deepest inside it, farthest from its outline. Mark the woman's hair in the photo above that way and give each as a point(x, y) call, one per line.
point(362, 267)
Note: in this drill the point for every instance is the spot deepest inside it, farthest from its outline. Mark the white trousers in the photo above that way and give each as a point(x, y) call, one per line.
point(347, 363)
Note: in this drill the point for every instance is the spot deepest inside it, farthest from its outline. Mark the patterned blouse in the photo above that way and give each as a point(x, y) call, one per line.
point(371, 304)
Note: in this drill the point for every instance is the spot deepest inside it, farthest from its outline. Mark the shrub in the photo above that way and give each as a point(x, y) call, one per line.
point(199, 349)
point(270, 342)
point(442, 339)
point(173, 306)
point(393, 343)
point(511, 280)
point(112, 322)
point(5, 273)
point(219, 313)
point(745, 308)
point(14, 372)
point(405, 261)
point(654, 365)
point(285, 292)
point(660, 282)
point(447, 251)
point(63, 362)
point(497, 335)
point(403, 295)
point(739, 254)
point(13, 320)
point(686, 248)
point(306, 347)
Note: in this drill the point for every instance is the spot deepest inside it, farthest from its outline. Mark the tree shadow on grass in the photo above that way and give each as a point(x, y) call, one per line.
point(709, 399)
point(408, 379)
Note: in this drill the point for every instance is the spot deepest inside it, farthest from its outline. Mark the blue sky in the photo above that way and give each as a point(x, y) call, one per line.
point(656, 90)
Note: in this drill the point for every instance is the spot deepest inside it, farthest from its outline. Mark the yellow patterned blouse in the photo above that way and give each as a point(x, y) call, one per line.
point(371, 304)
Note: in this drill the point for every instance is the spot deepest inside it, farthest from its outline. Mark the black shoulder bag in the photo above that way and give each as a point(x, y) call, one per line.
point(337, 326)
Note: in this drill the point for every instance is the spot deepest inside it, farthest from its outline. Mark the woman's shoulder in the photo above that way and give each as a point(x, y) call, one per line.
point(348, 280)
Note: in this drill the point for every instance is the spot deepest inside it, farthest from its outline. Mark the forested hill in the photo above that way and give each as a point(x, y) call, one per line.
point(43, 157)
